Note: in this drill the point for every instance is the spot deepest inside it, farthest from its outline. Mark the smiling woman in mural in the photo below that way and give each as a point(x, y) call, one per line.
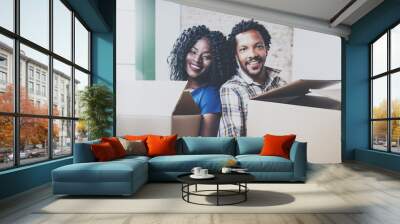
point(199, 56)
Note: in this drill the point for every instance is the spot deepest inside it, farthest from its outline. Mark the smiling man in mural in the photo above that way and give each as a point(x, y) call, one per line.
point(249, 44)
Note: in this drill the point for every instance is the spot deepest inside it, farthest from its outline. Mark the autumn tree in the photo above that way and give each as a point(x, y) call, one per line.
point(380, 127)
point(33, 131)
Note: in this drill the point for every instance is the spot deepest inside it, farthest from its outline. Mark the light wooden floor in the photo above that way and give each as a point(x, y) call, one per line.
point(377, 188)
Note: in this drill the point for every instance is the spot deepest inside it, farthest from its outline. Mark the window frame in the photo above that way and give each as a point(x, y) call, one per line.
point(15, 72)
point(388, 74)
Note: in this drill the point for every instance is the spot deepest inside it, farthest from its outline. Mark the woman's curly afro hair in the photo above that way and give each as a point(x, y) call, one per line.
point(219, 71)
point(242, 27)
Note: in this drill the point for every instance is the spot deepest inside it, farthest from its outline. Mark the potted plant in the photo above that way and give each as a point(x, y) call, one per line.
point(96, 102)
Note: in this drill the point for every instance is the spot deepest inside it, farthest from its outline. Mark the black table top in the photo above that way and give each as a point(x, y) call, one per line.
point(220, 178)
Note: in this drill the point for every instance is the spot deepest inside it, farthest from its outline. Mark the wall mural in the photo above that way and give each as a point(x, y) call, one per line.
point(225, 75)
point(228, 60)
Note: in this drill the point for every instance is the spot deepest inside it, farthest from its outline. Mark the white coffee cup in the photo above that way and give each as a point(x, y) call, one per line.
point(203, 172)
point(196, 171)
point(226, 170)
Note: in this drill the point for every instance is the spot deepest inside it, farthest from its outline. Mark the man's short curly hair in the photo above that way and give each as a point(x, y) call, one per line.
point(218, 72)
point(241, 27)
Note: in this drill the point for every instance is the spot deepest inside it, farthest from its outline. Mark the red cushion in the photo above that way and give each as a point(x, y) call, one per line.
point(277, 145)
point(116, 145)
point(161, 145)
point(103, 152)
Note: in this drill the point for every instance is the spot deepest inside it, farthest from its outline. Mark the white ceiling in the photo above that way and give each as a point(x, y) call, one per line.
point(318, 9)
point(315, 15)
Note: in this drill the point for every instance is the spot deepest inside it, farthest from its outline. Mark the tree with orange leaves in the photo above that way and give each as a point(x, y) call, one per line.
point(33, 130)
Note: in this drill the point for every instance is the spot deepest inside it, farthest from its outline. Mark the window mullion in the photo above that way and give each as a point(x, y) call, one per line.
point(73, 82)
point(389, 104)
point(50, 81)
point(16, 85)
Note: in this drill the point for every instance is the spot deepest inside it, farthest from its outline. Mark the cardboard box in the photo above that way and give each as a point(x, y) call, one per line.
point(311, 93)
point(157, 107)
point(308, 108)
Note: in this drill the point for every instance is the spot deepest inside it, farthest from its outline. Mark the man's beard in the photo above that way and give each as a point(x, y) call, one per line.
point(256, 59)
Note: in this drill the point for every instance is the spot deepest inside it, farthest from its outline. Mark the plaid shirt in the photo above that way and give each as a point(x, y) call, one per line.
point(235, 95)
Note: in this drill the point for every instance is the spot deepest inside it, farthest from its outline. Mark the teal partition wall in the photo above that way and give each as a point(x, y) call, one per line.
point(356, 81)
point(145, 40)
point(103, 64)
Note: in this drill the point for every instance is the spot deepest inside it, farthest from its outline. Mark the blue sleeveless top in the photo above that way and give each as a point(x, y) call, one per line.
point(207, 99)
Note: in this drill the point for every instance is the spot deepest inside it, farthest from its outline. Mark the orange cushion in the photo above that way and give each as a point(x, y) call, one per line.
point(116, 145)
point(161, 145)
point(136, 137)
point(277, 145)
point(103, 151)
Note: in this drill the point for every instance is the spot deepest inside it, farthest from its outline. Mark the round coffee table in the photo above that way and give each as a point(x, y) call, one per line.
point(238, 179)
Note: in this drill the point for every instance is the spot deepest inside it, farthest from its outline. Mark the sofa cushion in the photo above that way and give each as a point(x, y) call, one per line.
point(161, 145)
point(275, 145)
point(135, 147)
point(257, 163)
point(111, 171)
point(103, 152)
point(249, 145)
point(116, 145)
point(185, 163)
point(207, 145)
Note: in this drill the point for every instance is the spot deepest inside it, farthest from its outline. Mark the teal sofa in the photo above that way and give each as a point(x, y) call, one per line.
point(125, 176)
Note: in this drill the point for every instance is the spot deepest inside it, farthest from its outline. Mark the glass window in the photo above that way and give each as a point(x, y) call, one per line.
point(3, 61)
point(6, 73)
point(379, 98)
point(37, 89)
point(3, 78)
point(379, 135)
point(62, 137)
point(81, 45)
point(30, 87)
point(395, 95)
point(43, 90)
point(385, 125)
point(395, 136)
point(62, 29)
point(34, 21)
point(6, 142)
point(62, 72)
point(33, 139)
point(7, 14)
point(395, 47)
point(30, 72)
point(37, 75)
point(34, 79)
point(81, 131)
point(81, 81)
point(379, 56)
point(40, 62)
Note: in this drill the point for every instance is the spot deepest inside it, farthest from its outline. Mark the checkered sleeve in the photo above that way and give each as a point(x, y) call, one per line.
point(276, 83)
point(232, 120)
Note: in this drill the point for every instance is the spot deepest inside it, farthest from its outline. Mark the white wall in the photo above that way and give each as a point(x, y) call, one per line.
point(168, 25)
point(125, 57)
point(316, 55)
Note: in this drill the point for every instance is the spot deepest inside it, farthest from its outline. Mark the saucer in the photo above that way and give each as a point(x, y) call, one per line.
point(208, 176)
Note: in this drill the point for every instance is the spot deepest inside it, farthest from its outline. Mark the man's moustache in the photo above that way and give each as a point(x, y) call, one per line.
point(253, 59)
